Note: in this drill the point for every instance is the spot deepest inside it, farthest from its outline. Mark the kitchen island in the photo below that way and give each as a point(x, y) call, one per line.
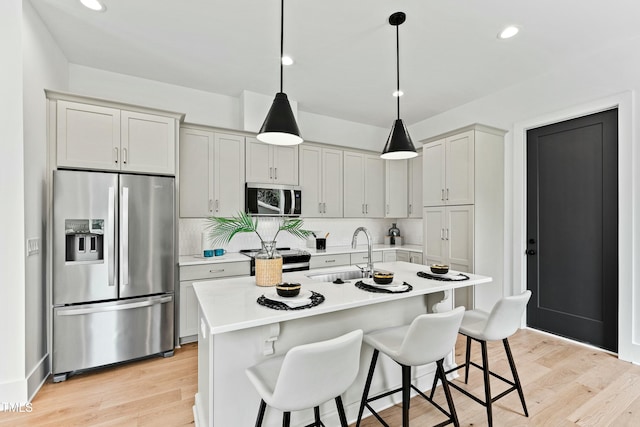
point(236, 332)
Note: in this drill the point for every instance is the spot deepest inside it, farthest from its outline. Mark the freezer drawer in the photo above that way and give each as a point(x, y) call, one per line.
point(91, 335)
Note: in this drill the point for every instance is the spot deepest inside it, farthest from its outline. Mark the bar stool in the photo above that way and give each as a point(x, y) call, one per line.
point(307, 376)
point(429, 338)
point(501, 323)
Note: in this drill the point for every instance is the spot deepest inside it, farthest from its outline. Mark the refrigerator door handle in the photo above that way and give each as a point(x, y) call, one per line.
point(124, 238)
point(111, 259)
point(119, 307)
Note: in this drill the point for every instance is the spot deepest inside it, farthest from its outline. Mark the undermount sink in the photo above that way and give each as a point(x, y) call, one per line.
point(330, 277)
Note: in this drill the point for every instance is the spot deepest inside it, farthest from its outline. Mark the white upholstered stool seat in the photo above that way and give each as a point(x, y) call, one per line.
point(429, 338)
point(307, 376)
point(502, 322)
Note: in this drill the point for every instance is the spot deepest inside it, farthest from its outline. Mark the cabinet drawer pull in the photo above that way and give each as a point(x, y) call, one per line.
point(329, 260)
point(217, 271)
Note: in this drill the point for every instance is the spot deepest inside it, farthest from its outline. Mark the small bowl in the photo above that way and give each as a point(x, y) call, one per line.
point(382, 277)
point(288, 289)
point(439, 269)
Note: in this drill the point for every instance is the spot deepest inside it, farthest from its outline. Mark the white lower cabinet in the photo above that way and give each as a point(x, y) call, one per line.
point(409, 256)
point(361, 258)
point(448, 239)
point(329, 260)
point(188, 315)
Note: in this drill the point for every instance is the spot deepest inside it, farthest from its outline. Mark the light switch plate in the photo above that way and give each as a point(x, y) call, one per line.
point(33, 246)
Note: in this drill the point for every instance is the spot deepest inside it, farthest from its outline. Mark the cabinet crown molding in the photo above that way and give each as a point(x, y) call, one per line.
point(475, 126)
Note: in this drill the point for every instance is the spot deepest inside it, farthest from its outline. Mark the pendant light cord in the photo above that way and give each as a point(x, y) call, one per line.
point(397, 66)
point(282, 39)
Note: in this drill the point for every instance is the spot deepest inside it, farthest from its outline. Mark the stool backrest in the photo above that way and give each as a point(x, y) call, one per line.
point(505, 317)
point(314, 373)
point(430, 337)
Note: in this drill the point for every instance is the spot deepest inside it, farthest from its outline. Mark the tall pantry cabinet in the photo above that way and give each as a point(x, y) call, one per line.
point(463, 213)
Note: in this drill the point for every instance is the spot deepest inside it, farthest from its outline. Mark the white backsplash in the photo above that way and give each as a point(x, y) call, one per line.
point(340, 232)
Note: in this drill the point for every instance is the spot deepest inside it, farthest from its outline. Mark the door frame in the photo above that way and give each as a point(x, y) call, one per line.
point(628, 196)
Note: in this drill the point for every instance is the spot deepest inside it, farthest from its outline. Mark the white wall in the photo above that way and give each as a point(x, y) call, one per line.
point(211, 109)
point(44, 67)
point(12, 282)
point(576, 86)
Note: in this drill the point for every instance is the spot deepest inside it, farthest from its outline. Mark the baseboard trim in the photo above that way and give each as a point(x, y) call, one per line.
point(38, 376)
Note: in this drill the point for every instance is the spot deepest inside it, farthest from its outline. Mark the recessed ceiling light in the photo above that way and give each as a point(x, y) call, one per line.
point(398, 93)
point(508, 32)
point(94, 5)
point(286, 60)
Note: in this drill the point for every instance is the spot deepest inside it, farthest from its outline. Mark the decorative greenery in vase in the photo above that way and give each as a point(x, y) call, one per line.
point(268, 263)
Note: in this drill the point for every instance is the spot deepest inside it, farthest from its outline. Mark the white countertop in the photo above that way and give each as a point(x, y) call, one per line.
point(185, 260)
point(230, 304)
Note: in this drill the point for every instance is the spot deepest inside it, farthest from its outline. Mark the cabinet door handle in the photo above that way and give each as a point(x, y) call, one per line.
point(319, 207)
point(366, 208)
point(270, 173)
point(115, 155)
point(447, 194)
point(410, 208)
point(442, 194)
point(210, 205)
point(217, 205)
point(363, 208)
point(124, 156)
point(275, 173)
point(447, 234)
point(324, 207)
point(442, 234)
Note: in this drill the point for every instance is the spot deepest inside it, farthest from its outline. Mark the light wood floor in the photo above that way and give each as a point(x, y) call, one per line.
point(565, 384)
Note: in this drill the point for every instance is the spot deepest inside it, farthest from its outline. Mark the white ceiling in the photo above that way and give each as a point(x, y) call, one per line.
point(344, 50)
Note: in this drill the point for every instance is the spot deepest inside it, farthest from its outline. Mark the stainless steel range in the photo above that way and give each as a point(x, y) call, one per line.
point(292, 259)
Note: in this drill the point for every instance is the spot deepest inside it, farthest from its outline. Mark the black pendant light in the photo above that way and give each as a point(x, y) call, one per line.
point(280, 127)
point(399, 145)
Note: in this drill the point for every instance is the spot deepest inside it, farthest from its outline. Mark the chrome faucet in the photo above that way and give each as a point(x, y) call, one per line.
point(354, 241)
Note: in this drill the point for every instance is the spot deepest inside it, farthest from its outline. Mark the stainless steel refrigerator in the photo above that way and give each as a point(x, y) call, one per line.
point(113, 268)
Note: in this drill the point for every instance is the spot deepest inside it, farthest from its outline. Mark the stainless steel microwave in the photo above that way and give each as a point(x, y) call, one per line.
point(273, 200)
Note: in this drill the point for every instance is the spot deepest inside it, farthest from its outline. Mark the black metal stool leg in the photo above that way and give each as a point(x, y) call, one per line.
point(447, 393)
point(263, 407)
point(466, 361)
point(367, 386)
point(341, 414)
point(516, 378)
point(316, 413)
point(286, 419)
point(487, 383)
point(406, 394)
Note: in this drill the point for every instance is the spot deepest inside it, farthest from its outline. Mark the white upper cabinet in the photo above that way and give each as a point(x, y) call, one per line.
point(449, 170)
point(265, 163)
point(108, 138)
point(321, 181)
point(396, 191)
point(88, 136)
point(147, 143)
point(211, 173)
point(415, 187)
point(363, 185)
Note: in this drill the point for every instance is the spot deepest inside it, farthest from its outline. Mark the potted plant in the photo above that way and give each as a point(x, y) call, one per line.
point(268, 261)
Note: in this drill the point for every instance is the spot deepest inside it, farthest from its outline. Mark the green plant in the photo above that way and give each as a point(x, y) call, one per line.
point(222, 230)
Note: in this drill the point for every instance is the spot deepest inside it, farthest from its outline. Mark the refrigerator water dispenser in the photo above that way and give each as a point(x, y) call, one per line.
point(84, 240)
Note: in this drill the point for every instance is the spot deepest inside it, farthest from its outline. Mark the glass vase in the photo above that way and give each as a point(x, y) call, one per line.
point(268, 265)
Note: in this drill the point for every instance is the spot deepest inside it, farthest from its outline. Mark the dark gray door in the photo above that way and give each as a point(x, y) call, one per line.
point(572, 228)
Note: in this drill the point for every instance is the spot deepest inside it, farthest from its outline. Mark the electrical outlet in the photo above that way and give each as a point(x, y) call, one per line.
point(33, 246)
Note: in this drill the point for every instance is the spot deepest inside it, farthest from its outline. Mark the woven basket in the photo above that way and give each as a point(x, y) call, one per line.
point(268, 271)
